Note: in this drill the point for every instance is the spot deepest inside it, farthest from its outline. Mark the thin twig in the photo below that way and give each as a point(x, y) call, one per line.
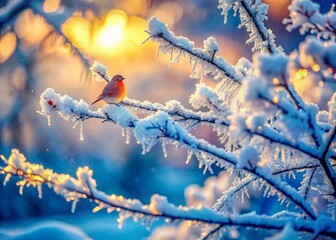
point(327, 167)
point(229, 73)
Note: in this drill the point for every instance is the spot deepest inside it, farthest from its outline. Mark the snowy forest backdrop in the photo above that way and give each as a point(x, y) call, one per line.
point(246, 109)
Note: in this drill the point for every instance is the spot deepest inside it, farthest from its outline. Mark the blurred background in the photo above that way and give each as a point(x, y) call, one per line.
point(33, 57)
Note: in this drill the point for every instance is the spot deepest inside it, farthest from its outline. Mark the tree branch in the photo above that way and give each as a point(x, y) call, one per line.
point(191, 214)
point(324, 160)
point(201, 117)
point(260, 27)
point(159, 32)
point(174, 132)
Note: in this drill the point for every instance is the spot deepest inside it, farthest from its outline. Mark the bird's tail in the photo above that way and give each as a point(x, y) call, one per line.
point(98, 99)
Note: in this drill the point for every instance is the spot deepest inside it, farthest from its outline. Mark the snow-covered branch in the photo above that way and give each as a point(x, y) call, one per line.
point(150, 130)
point(306, 16)
point(177, 111)
point(267, 132)
point(328, 168)
point(252, 14)
point(242, 185)
point(85, 187)
point(71, 109)
point(201, 60)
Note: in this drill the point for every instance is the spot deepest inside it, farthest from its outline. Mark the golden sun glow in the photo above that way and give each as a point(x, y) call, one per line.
point(112, 32)
point(301, 74)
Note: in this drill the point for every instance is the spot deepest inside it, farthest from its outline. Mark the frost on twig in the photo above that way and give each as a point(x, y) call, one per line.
point(252, 15)
point(99, 72)
point(202, 61)
point(305, 15)
point(84, 186)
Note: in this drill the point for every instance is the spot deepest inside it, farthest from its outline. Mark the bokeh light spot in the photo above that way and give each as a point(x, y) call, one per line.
point(50, 6)
point(7, 46)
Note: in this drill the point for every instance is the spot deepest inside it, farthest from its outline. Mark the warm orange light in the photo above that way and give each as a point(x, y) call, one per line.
point(278, 9)
point(7, 46)
point(38, 29)
point(301, 74)
point(135, 8)
point(77, 30)
point(276, 100)
point(169, 12)
point(276, 81)
point(112, 32)
point(50, 6)
point(316, 67)
point(36, 178)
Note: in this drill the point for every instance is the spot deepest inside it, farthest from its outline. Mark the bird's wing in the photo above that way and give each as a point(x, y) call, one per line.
point(111, 90)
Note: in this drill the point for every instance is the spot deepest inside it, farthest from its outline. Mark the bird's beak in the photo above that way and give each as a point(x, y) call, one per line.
point(123, 78)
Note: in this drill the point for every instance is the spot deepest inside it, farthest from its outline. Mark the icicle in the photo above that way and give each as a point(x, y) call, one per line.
point(74, 204)
point(120, 222)
point(190, 153)
point(127, 134)
point(205, 169)
point(164, 150)
point(193, 71)
point(75, 124)
point(283, 155)
point(39, 190)
point(96, 209)
point(8, 176)
point(21, 189)
point(149, 222)
point(110, 209)
point(49, 121)
point(3, 158)
point(200, 165)
point(123, 132)
point(158, 52)
point(242, 197)
point(177, 59)
point(171, 57)
point(81, 137)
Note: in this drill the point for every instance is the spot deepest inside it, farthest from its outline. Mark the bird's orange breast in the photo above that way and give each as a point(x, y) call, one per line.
point(115, 93)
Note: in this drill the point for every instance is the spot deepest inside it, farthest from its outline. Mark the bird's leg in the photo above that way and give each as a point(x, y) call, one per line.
point(116, 104)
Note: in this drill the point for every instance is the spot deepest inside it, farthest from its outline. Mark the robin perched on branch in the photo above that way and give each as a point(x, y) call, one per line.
point(114, 91)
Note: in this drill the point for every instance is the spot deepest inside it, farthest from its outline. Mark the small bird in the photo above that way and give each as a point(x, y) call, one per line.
point(114, 91)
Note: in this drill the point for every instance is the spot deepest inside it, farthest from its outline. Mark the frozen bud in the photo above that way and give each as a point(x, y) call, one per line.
point(248, 158)
point(211, 45)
